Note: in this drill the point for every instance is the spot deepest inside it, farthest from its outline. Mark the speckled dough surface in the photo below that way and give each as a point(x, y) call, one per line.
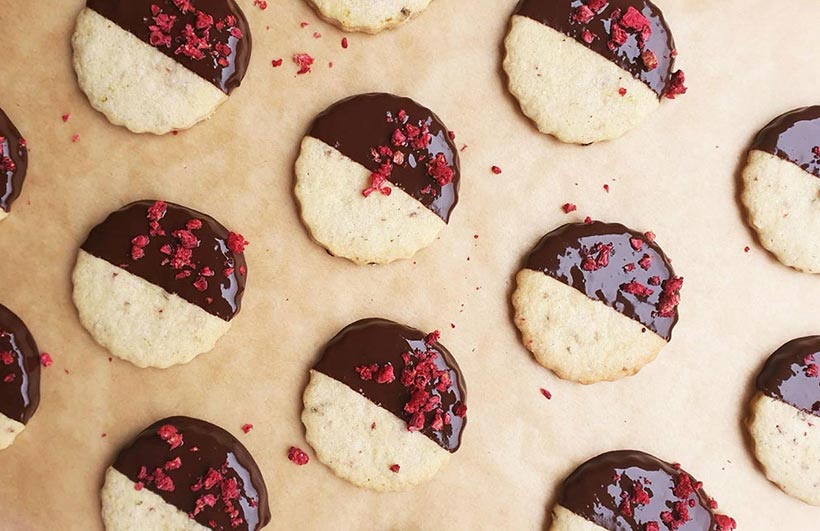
point(368, 16)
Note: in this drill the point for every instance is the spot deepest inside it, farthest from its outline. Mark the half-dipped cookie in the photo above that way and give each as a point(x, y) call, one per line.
point(13, 164)
point(590, 70)
point(377, 178)
point(158, 283)
point(186, 474)
point(781, 187)
point(385, 405)
point(596, 301)
point(632, 490)
point(19, 376)
point(784, 421)
point(156, 66)
point(368, 16)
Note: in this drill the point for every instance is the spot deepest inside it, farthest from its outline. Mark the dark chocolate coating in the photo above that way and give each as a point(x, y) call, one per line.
point(557, 14)
point(215, 448)
point(794, 137)
point(13, 147)
point(381, 341)
point(111, 241)
point(594, 492)
point(786, 376)
point(559, 254)
point(135, 16)
point(357, 125)
point(19, 397)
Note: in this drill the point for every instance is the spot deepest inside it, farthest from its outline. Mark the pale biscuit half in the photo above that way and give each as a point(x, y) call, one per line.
point(576, 337)
point(9, 430)
point(368, 16)
point(360, 441)
point(568, 90)
point(3, 214)
point(787, 445)
point(137, 320)
point(565, 520)
point(377, 229)
point(783, 204)
point(135, 85)
point(125, 508)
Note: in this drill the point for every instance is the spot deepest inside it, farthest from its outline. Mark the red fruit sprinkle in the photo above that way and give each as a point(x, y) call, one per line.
point(66, 116)
point(317, 35)
point(276, 63)
point(622, 91)
point(75, 137)
point(569, 207)
point(546, 394)
point(650, 236)
point(645, 262)
point(636, 243)
point(636, 288)
point(298, 456)
point(460, 410)
point(670, 296)
point(9, 378)
point(582, 14)
point(587, 220)
point(816, 151)
point(237, 242)
point(747, 249)
point(606, 188)
point(303, 24)
point(162, 481)
point(432, 337)
point(439, 170)
point(247, 427)
point(201, 284)
point(45, 359)
point(634, 20)
point(676, 85)
point(344, 42)
point(169, 434)
point(496, 170)
point(650, 60)
point(385, 374)
point(597, 5)
point(588, 36)
point(303, 61)
point(261, 4)
point(724, 523)
point(6, 358)
point(138, 485)
point(395, 468)
point(651, 526)
point(812, 370)
point(173, 464)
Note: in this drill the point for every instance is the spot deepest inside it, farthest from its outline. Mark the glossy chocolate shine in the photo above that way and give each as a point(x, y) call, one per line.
point(789, 376)
point(111, 241)
point(357, 125)
point(13, 162)
point(557, 14)
point(135, 16)
point(204, 447)
point(559, 254)
point(20, 396)
point(381, 341)
point(795, 137)
point(594, 491)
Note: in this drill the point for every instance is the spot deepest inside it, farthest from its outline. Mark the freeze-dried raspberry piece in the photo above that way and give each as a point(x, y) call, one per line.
point(303, 61)
point(675, 87)
point(237, 242)
point(45, 359)
point(636, 288)
point(569, 207)
point(670, 296)
point(298, 456)
point(582, 14)
point(169, 434)
point(724, 523)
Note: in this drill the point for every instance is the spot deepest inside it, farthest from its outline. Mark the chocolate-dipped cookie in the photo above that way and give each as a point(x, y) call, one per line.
point(632, 490)
point(370, 16)
point(385, 406)
point(781, 186)
point(156, 66)
point(784, 421)
point(186, 474)
point(13, 164)
point(19, 376)
point(591, 70)
point(596, 301)
point(377, 178)
point(158, 283)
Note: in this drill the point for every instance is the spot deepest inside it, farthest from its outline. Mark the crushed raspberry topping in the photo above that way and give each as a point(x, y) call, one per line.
point(637, 497)
point(670, 296)
point(276, 62)
point(170, 434)
point(246, 428)
point(298, 456)
point(546, 394)
point(45, 359)
point(395, 468)
point(812, 370)
point(569, 207)
point(724, 523)
point(496, 170)
point(6, 358)
point(675, 87)
point(597, 257)
point(261, 4)
point(344, 42)
point(304, 61)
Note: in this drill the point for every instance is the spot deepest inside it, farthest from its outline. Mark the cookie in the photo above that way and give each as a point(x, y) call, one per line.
point(368, 16)
point(590, 71)
point(784, 420)
point(781, 188)
point(377, 178)
point(596, 301)
point(384, 408)
point(158, 283)
point(13, 164)
point(156, 66)
point(628, 489)
point(183, 473)
point(19, 376)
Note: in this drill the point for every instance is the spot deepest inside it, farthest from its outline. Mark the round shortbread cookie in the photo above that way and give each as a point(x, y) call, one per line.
point(19, 376)
point(184, 474)
point(596, 301)
point(628, 489)
point(784, 420)
point(158, 283)
point(377, 178)
point(13, 164)
point(368, 16)
point(156, 66)
point(781, 188)
point(590, 71)
point(384, 408)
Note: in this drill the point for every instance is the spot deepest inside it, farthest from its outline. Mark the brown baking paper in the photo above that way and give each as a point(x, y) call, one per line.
point(746, 62)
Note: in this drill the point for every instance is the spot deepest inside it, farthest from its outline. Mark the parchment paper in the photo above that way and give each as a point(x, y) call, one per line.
point(746, 62)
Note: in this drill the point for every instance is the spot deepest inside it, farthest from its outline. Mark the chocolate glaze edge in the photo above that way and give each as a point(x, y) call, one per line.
point(787, 376)
point(19, 398)
point(13, 147)
point(793, 136)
